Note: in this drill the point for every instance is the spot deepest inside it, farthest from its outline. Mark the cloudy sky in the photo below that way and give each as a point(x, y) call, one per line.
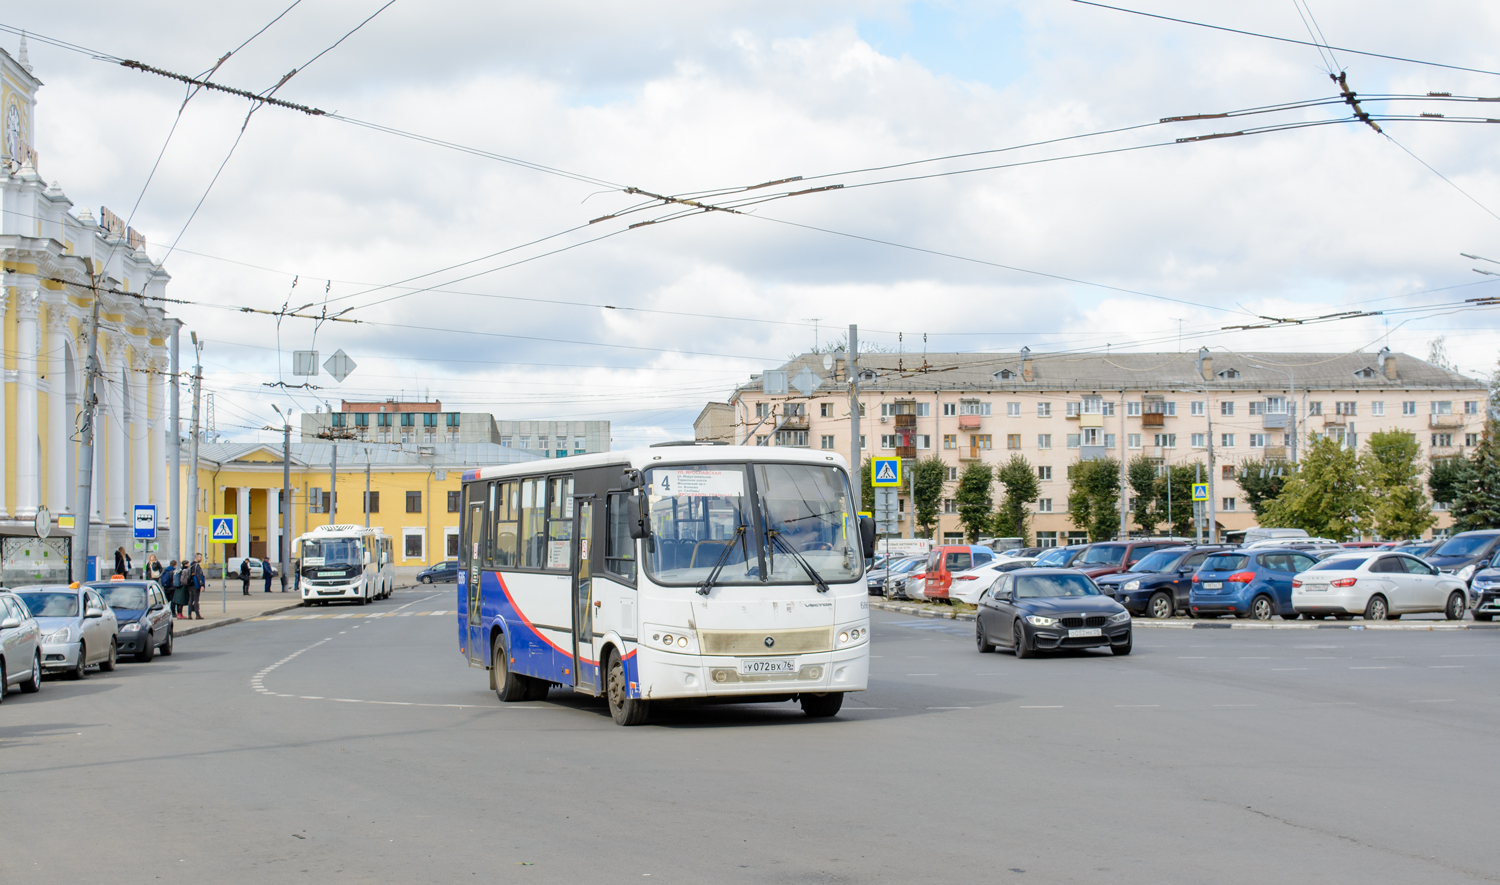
point(1144, 244)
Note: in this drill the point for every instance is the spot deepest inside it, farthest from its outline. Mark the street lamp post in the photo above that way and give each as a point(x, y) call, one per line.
point(285, 545)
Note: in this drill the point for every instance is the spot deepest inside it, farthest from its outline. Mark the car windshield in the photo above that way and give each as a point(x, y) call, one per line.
point(1160, 561)
point(51, 605)
point(1224, 562)
point(906, 565)
point(1052, 558)
point(331, 553)
point(702, 518)
point(1342, 564)
point(1463, 545)
point(125, 597)
point(1103, 554)
point(1049, 586)
point(1415, 549)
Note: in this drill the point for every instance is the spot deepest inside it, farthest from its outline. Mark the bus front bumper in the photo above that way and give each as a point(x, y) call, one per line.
point(666, 675)
point(352, 590)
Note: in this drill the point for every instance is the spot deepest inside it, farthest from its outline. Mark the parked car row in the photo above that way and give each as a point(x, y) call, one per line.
point(70, 628)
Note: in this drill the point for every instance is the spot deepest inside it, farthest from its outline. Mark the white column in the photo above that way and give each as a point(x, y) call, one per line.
point(115, 476)
point(271, 524)
point(4, 306)
point(158, 451)
point(59, 419)
point(242, 517)
point(28, 443)
point(140, 433)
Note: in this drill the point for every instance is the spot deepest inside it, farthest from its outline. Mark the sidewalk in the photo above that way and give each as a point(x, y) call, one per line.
point(236, 607)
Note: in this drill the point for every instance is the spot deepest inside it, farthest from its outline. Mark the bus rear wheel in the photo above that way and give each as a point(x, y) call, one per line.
point(509, 687)
point(624, 709)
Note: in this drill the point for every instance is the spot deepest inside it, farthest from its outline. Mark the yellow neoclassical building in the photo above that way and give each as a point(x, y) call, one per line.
point(56, 264)
point(413, 493)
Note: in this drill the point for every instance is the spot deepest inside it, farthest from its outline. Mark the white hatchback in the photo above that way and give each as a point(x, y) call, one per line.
point(969, 585)
point(1378, 585)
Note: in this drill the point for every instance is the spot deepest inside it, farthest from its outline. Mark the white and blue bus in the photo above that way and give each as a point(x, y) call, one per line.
point(344, 562)
point(680, 571)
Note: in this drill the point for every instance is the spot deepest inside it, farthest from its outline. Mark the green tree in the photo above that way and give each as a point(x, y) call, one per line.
point(1142, 472)
point(1393, 478)
point(1262, 481)
point(1094, 497)
point(930, 475)
point(1476, 499)
point(1326, 497)
point(866, 491)
point(1021, 488)
point(1444, 477)
point(976, 499)
point(1181, 478)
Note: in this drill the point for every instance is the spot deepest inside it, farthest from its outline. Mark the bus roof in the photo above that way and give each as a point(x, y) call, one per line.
point(322, 531)
point(656, 456)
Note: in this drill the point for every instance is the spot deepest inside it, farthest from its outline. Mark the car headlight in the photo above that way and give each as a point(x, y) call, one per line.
point(1119, 618)
point(131, 627)
point(1132, 585)
point(1466, 573)
point(1039, 621)
point(63, 635)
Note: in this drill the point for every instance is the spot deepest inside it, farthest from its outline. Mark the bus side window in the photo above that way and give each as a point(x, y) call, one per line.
point(619, 547)
point(503, 526)
point(533, 524)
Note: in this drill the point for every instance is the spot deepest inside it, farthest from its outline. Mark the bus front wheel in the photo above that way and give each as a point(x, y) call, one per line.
point(821, 706)
point(624, 709)
point(509, 687)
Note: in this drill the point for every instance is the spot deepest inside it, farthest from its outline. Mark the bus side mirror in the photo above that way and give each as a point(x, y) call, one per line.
point(867, 536)
point(631, 480)
point(639, 515)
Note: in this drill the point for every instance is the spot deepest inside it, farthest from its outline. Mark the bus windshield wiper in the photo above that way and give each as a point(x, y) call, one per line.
point(713, 576)
point(777, 540)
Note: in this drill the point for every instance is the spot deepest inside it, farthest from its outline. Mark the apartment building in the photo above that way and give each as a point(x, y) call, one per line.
point(426, 423)
point(1215, 408)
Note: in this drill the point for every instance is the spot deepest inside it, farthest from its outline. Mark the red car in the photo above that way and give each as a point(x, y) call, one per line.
point(942, 562)
point(1113, 557)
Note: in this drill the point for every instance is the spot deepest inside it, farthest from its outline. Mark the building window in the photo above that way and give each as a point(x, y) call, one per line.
point(1409, 407)
point(1133, 408)
point(950, 409)
point(973, 407)
point(888, 440)
point(1226, 440)
point(1471, 407)
point(450, 542)
point(1445, 407)
point(950, 505)
point(1200, 440)
point(862, 445)
point(1044, 440)
point(924, 409)
point(792, 438)
point(826, 441)
point(1091, 436)
point(1226, 408)
point(1197, 408)
point(338, 419)
point(1013, 440)
point(372, 502)
point(1043, 505)
point(825, 410)
point(1044, 472)
point(762, 410)
point(1377, 408)
point(1346, 408)
point(314, 500)
point(1471, 439)
point(980, 440)
point(1169, 409)
point(1074, 440)
point(762, 440)
point(953, 537)
point(1226, 471)
point(1166, 440)
point(1133, 440)
point(953, 474)
point(950, 440)
point(1316, 408)
point(1228, 504)
point(1442, 440)
point(413, 502)
point(1074, 409)
point(429, 419)
point(1046, 539)
point(1257, 407)
point(383, 420)
point(1258, 440)
point(408, 420)
point(413, 545)
point(1044, 410)
point(362, 419)
point(455, 501)
point(924, 440)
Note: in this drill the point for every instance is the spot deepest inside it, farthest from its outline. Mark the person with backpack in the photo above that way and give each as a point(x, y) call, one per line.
point(180, 589)
point(245, 576)
point(197, 580)
point(165, 580)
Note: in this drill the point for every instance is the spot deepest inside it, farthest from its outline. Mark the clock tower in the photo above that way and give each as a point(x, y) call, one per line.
point(17, 109)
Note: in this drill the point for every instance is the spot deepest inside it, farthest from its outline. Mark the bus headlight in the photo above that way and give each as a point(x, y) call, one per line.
point(853, 634)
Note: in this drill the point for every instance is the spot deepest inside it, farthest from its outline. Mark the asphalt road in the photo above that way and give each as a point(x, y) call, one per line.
point(365, 750)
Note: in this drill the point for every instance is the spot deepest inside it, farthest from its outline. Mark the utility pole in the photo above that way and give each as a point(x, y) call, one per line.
point(175, 456)
point(285, 546)
point(1124, 492)
point(853, 364)
point(192, 524)
point(333, 479)
point(1198, 509)
point(1213, 529)
point(367, 488)
point(86, 450)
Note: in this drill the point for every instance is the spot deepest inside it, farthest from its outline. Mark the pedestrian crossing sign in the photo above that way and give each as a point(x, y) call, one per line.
point(224, 529)
point(885, 472)
point(1200, 491)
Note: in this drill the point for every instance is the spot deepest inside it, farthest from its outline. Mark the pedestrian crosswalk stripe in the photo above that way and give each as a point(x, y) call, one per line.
point(350, 615)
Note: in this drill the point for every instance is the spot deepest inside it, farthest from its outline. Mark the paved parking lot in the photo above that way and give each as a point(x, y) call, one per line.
point(364, 748)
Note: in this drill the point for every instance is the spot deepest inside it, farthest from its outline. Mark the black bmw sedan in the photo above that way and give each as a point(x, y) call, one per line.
point(1032, 610)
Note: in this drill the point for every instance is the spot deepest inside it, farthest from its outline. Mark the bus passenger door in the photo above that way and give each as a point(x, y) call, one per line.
point(584, 676)
point(474, 647)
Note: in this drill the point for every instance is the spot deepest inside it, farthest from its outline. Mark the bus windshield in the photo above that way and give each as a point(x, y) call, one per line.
point(336, 556)
point(702, 518)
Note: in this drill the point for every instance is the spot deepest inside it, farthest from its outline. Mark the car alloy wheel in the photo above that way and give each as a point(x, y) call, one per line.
point(1161, 606)
point(1375, 609)
point(981, 640)
point(1123, 648)
point(1019, 642)
point(34, 684)
point(426, 579)
point(108, 664)
point(1455, 608)
point(81, 669)
point(148, 651)
point(1261, 608)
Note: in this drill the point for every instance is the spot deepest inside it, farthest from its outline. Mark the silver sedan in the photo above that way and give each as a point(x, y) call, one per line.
point(1378, 585)
point(78, 629)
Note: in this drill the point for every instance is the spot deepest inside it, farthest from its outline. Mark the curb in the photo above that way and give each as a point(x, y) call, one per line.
point(1219, 624)
point(199, 628)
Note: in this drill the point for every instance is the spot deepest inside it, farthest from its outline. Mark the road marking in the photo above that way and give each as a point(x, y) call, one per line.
point(1434, 701)
point(1286, 669)
point(1190, 657)
point(1234, 705)
point(1446, 667)
point(950, 708)
point(921, 674)
point(1245, 658)
point(1137, 705)
point(1370, 668)
point(1041, 706)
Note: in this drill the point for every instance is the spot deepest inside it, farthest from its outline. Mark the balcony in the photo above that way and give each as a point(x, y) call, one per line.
point(970, 453)
point(1091, 419)
point(1274, 421)
point(1154, 419)
point(906, 420)
point(1334, 420)
point(969, 422)
point(1445, 451)
point(794, 422)
point(1274, 453)
point(906, 452)
point(1445, 421)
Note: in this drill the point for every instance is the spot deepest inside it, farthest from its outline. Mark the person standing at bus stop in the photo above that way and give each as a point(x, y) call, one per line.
point(245, 576)
point(122, 562)
point(196, 582)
